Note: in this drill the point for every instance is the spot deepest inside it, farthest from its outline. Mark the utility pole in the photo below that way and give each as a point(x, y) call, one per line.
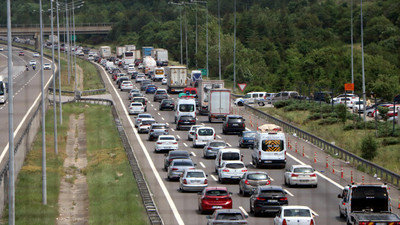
point(59, 63)
point(54, 81)
point(234, 48)
point(196, 39)
point(362, 62)
point(219, 42)
point(187, 51)
point(352, 58)
point(69, 46)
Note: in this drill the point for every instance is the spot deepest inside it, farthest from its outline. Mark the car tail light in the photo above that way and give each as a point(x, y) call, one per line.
point(225, 170)
point(184, 181)
point(294, 175)
point(283, 199)
point(197, 136)
point(151, 130)
point(284, 222)
point(313, 175)
point(259, 156)
point(142, 107)
point(243, 125)
point(227, 124)
point(139, 120)
point(205, 181)
point(209, 148)
point(261, 199)
point(312, 222)
point(247, 182)
point(193, 121)
point(179, 121)
point(175, 143)
point(268, 182)
point(362, 223)
point(215, 136)
point(174, 168)
point(166, 130)
point(159, 143)
point(170, 160)
point(244, 170)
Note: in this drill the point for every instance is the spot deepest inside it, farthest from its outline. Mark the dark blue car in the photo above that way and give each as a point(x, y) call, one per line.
point(247, 139)
point(151, 89)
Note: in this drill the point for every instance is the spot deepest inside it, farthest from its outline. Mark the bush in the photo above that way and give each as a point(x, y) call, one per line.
point(369, 147)
point(328, 121)
point(385, 129)
point(341, 111)
point(281, 104)
point(314, 116)
point(370, 125)
point(383, 112)
point(390, 141)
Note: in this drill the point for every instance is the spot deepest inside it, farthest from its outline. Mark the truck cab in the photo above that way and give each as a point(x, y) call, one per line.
point(269, 149)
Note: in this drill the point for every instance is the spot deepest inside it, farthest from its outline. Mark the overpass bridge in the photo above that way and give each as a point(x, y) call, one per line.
point(34, 29)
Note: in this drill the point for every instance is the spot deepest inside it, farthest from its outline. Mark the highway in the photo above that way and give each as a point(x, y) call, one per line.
point(26, 94)
point(181, 208)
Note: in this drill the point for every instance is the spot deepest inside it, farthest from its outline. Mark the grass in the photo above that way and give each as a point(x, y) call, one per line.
point(113, 195)
point(388, 156)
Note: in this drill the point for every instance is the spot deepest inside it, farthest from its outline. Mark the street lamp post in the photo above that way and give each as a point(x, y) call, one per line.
point(59, 63)
point(219, 42)
point(180, 20)
point(234, 48)
point(54, 81)
point(362, 60)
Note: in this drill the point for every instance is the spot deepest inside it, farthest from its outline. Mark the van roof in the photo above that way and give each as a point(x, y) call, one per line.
point(229, 150)
point(186, 100)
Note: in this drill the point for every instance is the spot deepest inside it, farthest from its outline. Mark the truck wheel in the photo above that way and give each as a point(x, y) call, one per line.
point(209, 119)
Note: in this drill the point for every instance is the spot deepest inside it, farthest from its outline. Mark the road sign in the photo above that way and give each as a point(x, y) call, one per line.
point(203, 72)
point(242, 86)
point(397, 98)
point(73, 37)
point(349, 87)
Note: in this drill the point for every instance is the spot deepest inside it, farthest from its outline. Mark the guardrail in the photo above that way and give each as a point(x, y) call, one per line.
point(341, 153)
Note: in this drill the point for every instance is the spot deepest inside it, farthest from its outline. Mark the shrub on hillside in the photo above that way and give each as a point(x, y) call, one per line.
point(369, 147)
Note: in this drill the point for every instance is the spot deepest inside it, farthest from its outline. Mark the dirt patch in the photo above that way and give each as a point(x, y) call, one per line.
point(79, 73)
point(73, 201)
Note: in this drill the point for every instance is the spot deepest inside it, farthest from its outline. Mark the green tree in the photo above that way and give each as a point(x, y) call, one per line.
point(369, 147)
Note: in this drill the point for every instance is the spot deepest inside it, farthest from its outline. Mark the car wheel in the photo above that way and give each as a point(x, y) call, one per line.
point(177, 128)
point(240, 191)
point(341, 215)
point(251, 209)
point(285, 181)
point(169, 178)
point(256, 213)
point(223, 131)
point(315, 186)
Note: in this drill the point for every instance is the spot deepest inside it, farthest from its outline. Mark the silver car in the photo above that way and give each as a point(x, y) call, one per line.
point(178, 166)
point(191, 132)
point(132, 92)
point(231, 170)
point(145, 124)
point(157, 129)
point(301, 175)
point(141, 116)
point(227, 216)
point(166, 143)
point(212, 147)
point(193, 180)
point(251, 180)
point(177, 154)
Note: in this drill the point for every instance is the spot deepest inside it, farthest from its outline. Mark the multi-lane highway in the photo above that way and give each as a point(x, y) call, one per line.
point(181, 208)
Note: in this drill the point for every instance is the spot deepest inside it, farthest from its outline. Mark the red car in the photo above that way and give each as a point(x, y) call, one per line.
point(21, 53)
point(212, 198)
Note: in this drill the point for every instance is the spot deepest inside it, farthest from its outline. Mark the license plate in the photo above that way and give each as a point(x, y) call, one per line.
point(217, 207)
point(236, 177)
point(235, 125)
point(267, 161)
point(250, 141)
point(303, 180)
point(272, 200)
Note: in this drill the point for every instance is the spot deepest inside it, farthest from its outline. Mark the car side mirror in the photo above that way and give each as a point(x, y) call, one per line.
point(230, 193)
point(339, 196)
point(206, 175)
point(195, 164)
point(246, 216)
point(208, 217)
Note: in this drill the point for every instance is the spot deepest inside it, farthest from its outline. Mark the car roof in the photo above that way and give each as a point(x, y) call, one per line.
point(247, 132)
point(234, 116)
point(136, 103)
point(206, 128)
point(229, 150)
point(166, 136)
point(229, 211)
point(302, 166)
point(195, 170)
point(272, 187)
point(155, 124)
point(295, 207)
point(182, 160)
point(144, 114)
point(178, 152)
point(148, 119)
point(234, 161)
point(222, 141)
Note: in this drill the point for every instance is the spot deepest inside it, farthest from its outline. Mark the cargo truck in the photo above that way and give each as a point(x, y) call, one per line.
point(148, 65)
point(105, 51)
point(130, 48)
point(137, 54)
point(120, 51)
point(219, 105)
point(176, 78)
point(146, 51)
point(161, 56)
point(203, 90)
point(195, 76)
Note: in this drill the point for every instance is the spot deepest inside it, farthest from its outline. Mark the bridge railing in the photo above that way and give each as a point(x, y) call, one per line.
point(48, 25)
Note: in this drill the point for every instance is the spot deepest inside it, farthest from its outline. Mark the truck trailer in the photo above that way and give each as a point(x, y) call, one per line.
point(203, 90)
point(219, 105)
point(176, 78)
point(105, 51)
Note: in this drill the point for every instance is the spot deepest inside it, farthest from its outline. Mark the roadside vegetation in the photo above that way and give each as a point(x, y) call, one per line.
point(113, 194)
point(345, 130)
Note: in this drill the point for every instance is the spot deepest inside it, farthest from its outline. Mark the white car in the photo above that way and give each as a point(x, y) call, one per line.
point(1, 49)
point(193, 180)
point(140, 78)
point(140, 66)
point(136, 108)
point(32, 62)
point(294, 215)
point(141, 116)
point(232, 170)
point(301, 175)
point(132, 91)
point(203, 135)
point(164, 81)
point(191, 133)
point(46, 66)
point(35, 55)
point(145, 124)
point(166, 143)
point(126, 85)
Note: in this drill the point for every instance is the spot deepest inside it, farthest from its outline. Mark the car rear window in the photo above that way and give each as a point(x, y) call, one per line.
point(271, 193)
point(148, 122)
point(186, 118)
point(234, 165)
point(229, 216)
point(158, 127)
point(195, 174)
point(168, 102)
point(230, 156)
point(205, 132)
point(216, 193)
point(183, 163)
point(272, 145)
point(257, 176)
point(217, 144)
point(161, 92)
point(144, 116)
point(186, 107)
point(136, 104)
point(249, 135)
point(297, 213)
point(235, 121)
point(303, 170)
point(167, 138)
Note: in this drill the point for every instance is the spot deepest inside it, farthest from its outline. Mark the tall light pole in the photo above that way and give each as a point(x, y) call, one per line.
point(69, 46)
point(352, 59)
point(186, 48)
point(54, 81)
point(362, 61)
point(196, 39)
point(59, 64)
point(180, 18)
point(219, 42)
point(73, 25)
point(11, 179)
point(234, 47)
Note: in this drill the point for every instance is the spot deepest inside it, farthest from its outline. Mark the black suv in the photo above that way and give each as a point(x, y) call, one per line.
point(267, 199)
point(233, 123)
point(185, 121)
point(167, 104)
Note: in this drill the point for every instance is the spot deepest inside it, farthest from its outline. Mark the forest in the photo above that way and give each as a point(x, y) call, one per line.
point(302, 45)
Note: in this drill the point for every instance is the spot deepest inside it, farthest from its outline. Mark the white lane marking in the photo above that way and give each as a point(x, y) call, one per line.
point(159, 114)
point(151, 163)
point(251, 163)
point(219, 137)
point(185, 144)
point(316, 214)
point(272, 179)
point(167, 124)
point(229, 144)
point(162, 118)
point(155, 109)
point(193, 154)
point(197, 118)
point(178, 136)
point(203, 124)
point(319, 174)
point(214, 178)
point(173, 129)
point(243, 211)
point(288, 192)
point(202, 165)
point(248, 129)
point(152, 105)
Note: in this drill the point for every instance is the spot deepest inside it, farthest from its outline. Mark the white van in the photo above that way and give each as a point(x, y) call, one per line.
point(186, 106)
point(225, 155)
point(269, 149)
point(252, 98)
point(203, 135)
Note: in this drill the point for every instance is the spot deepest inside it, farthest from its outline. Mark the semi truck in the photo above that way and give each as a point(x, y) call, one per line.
point(219, 105)
point(148, 65)
point(146, 51)
point(161, 56)
point(130, 48)
point(105, 51)
point(120, 51)
point(176, 78)
point(195, 76)
point(203, 90)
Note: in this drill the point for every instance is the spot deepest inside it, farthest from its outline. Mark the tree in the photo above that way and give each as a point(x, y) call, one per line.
point(369, 147)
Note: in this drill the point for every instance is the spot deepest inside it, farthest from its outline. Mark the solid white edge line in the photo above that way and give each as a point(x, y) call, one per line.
point(202, 165)
point(319, 174)
point(288, 192)
point(243, 211)
point(151, 163)
point(24, 118)
point(193, 154)
point(214, 178)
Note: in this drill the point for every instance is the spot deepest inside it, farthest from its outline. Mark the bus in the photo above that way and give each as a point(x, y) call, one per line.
point(3, 90)
point(129, 58)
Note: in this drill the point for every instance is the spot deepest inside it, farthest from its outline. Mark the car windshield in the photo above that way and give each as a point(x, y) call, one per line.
point(249, 135)
point(217, 144)
point(303, 170)
point(183, 163)
point(195, 174)
point(206, 132)
point(158, 127)
point(216, 193)
point(229, 216)
point(144, 116)
point(167, 138)
point(297, 213)
point(234, 165)
point(272, 145)
point(231, 156)
point(186, 107)
point(257, 176)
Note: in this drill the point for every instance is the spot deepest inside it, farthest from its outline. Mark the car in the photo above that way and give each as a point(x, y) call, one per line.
point(176, 154)
point(213, 198)
point(166, 143)
point(135, 108)
point(21, 53)
point(178, 166)
point(32, 62)
point(1, 49)
point(141, 116)
point(164, 81)
point(232, 171)
point(145, 124)
point(193, 180)
point(116, 75)
point(159, 95)
point(227, 216)
point(133, 74)
point(301, 175)
point(35, 55)
point(185, 121)
point(126, 85)
point(140, 77)
point(151, 89)
point(267, 199)
point(144, 84)
point(202, 136)
point(131, 92)
point(211, 149)
point(156, 130)
point(140, 66)
point(46, 66)
point(251, 180)
point(122, 79)
point(167, 104)
point(233, 123)
point(358, 107)
point(294, 215)
point(142, 100)
point(247, 139)
point(191, 133)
